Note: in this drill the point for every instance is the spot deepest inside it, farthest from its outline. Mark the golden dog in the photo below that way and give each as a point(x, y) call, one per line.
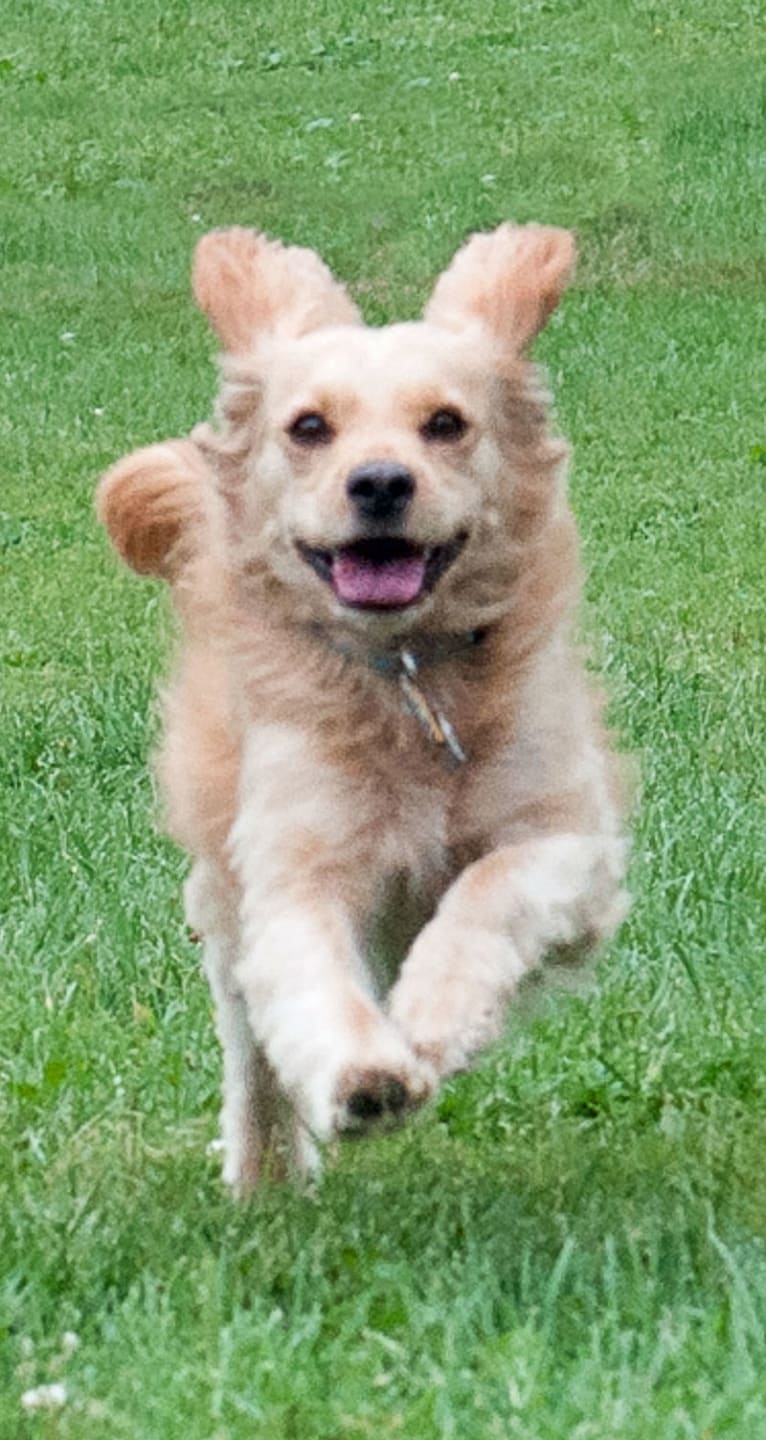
point(381, 735)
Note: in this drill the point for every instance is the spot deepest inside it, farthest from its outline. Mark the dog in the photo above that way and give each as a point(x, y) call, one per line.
point(381, 743)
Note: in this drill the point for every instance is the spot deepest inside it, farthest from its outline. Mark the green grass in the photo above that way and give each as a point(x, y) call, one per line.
point(572, 1244)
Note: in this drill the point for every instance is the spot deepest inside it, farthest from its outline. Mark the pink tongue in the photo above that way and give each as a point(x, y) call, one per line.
point(357, 581)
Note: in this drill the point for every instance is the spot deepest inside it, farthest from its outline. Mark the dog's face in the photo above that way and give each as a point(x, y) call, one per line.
point(377, 453)
point(374, 474)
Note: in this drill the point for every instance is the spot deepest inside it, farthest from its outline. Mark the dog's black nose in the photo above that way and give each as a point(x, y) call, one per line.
point(380, 489)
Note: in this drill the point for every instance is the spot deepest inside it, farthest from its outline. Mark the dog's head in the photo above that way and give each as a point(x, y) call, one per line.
point(383, 479)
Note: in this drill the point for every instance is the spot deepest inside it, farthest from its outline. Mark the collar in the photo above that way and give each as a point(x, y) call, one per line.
point(404, 664)
point(429, 651)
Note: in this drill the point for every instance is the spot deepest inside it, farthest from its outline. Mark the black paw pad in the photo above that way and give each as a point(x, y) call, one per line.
point(374, 1099)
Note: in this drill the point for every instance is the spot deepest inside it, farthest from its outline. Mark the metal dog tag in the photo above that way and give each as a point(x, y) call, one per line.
point(436, 725)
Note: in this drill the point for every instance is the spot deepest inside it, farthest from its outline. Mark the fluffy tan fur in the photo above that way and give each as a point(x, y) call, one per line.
point(318, 811)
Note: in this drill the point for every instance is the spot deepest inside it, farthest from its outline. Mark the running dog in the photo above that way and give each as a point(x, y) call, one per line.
point(381, 742)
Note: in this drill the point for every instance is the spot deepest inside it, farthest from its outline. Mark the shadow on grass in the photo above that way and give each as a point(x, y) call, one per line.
point(397, 1231)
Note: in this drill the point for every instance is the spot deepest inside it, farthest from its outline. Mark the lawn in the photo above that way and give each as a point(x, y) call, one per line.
point(571, 1244)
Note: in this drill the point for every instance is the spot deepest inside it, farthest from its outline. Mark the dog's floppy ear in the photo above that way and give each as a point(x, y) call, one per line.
point(153, 503)
point(510, 280)
point(248, 285)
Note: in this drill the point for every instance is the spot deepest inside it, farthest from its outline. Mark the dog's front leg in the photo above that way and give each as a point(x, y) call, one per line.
point(256, 1125)
point(493, 926)
point(304, 885)
point(345, 1066)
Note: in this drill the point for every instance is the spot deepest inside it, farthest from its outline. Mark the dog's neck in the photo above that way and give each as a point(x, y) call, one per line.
point(402, 662)
point(428, 650)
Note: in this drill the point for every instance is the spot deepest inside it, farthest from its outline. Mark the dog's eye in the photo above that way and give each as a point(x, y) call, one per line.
point(444, 425)
point(310, 429)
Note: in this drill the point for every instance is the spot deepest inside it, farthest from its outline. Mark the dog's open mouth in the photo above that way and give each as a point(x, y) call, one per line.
point(385, 573)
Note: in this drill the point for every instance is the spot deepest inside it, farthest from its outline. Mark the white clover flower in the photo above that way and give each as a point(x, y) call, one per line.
point(44, 1397)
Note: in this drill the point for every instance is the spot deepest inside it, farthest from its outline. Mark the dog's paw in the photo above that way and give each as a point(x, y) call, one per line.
point(444, 1051)
point(363, 1080)
point(446, 1036)
point(449, 1000)
point(370, 1098)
